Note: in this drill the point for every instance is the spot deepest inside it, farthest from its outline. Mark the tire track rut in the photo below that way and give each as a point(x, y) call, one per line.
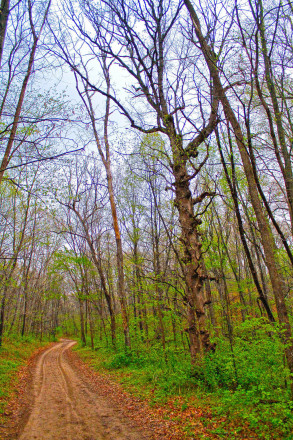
point(66, 408)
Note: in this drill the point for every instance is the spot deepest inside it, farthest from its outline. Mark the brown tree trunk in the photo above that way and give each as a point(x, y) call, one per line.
point(4, 13)
point(233, 191)
point(121, 283)
point(138, 286)
point(92, 331)
point(190, 238)
point(209, 300)
point(81, 315)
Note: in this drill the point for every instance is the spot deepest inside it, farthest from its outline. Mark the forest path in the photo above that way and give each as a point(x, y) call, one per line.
point(67, 407)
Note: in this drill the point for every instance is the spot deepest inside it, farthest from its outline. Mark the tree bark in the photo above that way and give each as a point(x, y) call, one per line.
point(4, 14)
point(191, 241)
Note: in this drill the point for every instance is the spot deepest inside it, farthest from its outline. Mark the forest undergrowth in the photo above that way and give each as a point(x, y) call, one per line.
point(240, 388)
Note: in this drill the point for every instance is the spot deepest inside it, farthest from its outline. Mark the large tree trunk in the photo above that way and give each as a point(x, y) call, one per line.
point(194, 274)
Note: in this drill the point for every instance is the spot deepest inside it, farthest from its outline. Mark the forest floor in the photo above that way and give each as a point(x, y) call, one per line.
point(60, 397)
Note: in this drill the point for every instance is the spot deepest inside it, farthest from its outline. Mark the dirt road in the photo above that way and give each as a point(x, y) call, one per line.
point(67, 408)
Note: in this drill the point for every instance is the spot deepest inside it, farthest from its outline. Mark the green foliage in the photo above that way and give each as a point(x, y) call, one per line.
point(153, 147)
point(256, 360)
point(125, 359)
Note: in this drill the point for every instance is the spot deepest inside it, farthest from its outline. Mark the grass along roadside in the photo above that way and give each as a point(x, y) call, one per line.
point(14, 355)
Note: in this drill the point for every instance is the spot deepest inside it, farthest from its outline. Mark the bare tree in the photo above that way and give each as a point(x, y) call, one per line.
point(117, 35)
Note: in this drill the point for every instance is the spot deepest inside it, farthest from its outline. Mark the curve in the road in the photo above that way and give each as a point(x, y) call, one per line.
point(66, 408)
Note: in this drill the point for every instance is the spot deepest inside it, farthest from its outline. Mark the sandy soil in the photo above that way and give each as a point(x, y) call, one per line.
point(67, 407)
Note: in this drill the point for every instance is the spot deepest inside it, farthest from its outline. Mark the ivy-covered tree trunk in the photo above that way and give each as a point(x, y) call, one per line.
point(192, 250)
